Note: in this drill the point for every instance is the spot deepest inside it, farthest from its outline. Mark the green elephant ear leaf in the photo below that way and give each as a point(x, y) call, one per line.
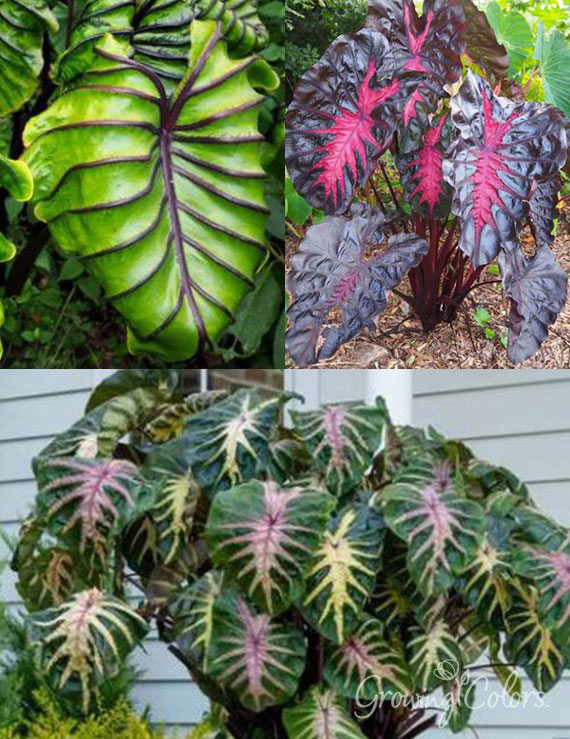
point(550, 570)
point(22, 28)
point(531, 644)
point(513, 32)
point(230, 441)
point(87, 501)
point(343, 574)
point(343, 439)
point(461, 695)
point(320, 715)
point(167, 470)
point(264, 537)
point(165, 382)
point(434, 656)
point(193, 612)
point(240, 23)
point(366, 664)
point(553, 55)
point(85, 639)
point(171, 421)
point(255, 656)
point(442, 529)
point(161, 196)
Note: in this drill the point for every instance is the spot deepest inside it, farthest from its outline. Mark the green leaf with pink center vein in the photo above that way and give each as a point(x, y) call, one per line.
point(264, 537)
point(342, 439)
point(428, 649)
point(343, 573)
point(87, 501)
point(252, 654)
point(321, 715)
point(443, 530)
point(85, 640)
point(367, 664)
point(550, 570)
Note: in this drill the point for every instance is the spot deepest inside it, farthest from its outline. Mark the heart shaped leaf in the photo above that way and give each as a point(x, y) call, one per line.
point(501, 149)
point(330, 270)
point(84, 641)
point(342, 440)
point(435, 656)
point(366, 665)
point(166, 205)
point(343, 573)
point(344, 113)
point(537, 288)
point(320, 715)
point(256, 657)
point(264, 537)
point(443, 530)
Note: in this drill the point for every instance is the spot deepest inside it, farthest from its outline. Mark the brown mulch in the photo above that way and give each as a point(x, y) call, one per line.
point(400, 342)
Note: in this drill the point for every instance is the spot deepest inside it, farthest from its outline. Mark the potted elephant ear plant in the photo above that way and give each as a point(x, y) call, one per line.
point(313, 578)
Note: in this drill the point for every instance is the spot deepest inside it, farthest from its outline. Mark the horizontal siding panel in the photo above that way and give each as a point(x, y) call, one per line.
point(552, 497)
point(16, 499)
point(503, 732)
point(543, 457)
point(156, 663)
point(171, 702)
point(45, 416)
point(497, 411)
point(341, 386)
point(16, 458)
point(442, 381)
point(24, 383)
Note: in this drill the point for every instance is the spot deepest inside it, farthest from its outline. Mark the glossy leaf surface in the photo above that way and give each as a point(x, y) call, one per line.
point(341, 577)
point(165, 205)
point(482, 45)
point(537, 288)
point(501, 149)
point(342, 440)
point(330, 270)
point(543, 210)
point(443, 530)
point(320, 715)
point(256, 657)
point(345, 110)
point(264, 537)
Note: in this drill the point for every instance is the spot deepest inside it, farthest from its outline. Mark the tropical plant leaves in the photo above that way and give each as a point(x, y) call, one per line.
point(320, 715)
point(342, 575)
point(84, 640)
point(420, 162)
point(538, 288)
point(345, 110)
point(229, 441)
point(264, 536)
point(433, 655)
point(501, 149)
point(443, 530)
point(86, 501)
point(531, 644)
point(461, 695)
point(366, 665)
point(253, 655)
point(22, 28)
point(330, 271)
point(513, 31)
point(342, 440)
point(122, 382)
point(553, 55)
point(431, 44)
point(482, 45)
point(543, 210)
point(171, 420)
point(166, 207)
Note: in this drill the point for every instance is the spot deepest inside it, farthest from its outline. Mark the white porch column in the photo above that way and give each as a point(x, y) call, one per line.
point(395, 386)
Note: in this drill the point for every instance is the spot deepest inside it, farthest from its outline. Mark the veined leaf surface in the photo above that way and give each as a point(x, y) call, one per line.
point(22, 28)
point(230, 441)
point(264, 537)
point(443, 530)
point(84, 640)
point(366, 664)
point(342, 440)
point(428, 649)
point(320, 715)
point(343, 573)
point(123, 381)
point(253, 655)
point(166, 205)
point(171, 420)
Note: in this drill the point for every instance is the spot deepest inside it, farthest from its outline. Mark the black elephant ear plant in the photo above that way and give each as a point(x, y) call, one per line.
point(312, 578)
point(475, 168)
